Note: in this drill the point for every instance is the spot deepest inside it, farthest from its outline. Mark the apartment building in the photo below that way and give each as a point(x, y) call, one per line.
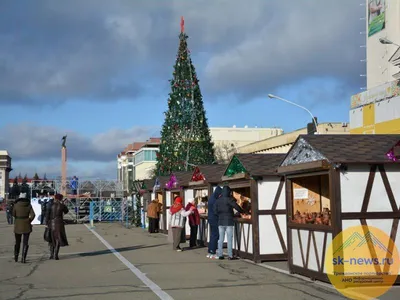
point(136, 162)
point(5, 169)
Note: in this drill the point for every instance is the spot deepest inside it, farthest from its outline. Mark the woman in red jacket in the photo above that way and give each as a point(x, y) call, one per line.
point(194, 222)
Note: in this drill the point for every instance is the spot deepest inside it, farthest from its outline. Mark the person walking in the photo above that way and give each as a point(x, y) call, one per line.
point(194, 222)
point(55, 223)
point(223, 207)
point(213, 223)
point(24, 215)
point(43, 205)
point(9, 212)
point(153, 210)
point(177, 221)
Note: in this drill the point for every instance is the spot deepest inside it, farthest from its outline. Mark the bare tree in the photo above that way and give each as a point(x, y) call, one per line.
point(224, 152)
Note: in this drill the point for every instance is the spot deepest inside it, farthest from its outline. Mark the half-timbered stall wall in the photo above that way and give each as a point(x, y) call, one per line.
point(174, 187)
point(159, 193)
point(200, 187)
point(334, 182)
point(260, 234)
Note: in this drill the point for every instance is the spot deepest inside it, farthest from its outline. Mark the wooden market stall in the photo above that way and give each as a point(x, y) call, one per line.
point(261, 235)
point(174, 187)
point(158, 192)
point(334, 182)
point(202, 183)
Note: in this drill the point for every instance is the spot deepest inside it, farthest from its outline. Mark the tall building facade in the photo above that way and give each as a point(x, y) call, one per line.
point(377, 110)
point(5, 169)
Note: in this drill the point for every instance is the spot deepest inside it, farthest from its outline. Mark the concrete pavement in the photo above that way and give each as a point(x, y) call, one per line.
point(141, 267)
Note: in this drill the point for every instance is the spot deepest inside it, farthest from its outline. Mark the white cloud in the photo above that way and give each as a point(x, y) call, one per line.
point(28, 141)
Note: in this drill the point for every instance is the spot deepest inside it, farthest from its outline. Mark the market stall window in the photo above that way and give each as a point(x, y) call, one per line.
point(242, 197)
point(311, 201)
point(201, 197)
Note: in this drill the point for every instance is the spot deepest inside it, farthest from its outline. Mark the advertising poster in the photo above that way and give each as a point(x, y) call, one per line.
point(376, 16)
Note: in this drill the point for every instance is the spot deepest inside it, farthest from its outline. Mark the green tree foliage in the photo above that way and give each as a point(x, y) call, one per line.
point(185, 136)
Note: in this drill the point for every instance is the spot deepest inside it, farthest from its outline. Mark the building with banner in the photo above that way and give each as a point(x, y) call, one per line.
point(377, 110)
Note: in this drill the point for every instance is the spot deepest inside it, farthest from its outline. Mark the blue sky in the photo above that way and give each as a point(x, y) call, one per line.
point(100, 71)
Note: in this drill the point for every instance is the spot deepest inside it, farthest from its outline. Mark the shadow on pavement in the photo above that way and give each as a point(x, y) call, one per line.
point(102, 252)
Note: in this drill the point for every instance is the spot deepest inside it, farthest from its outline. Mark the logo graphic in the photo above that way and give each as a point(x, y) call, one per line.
point(362, 262)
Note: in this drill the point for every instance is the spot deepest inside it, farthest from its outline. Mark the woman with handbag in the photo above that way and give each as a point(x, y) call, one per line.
point(23, 214)
point(55, 223)
point(178, 215)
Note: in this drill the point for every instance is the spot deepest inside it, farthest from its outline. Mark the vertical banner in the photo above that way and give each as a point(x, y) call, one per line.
point(376, 16)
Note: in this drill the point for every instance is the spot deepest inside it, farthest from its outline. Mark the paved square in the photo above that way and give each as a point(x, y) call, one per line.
point(88, 270)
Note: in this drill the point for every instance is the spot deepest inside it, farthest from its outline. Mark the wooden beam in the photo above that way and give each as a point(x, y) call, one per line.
point(196, 183)
point(236, 176)
point(304, 167)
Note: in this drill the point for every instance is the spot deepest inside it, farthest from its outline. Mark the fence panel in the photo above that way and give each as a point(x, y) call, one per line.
point(111, 211)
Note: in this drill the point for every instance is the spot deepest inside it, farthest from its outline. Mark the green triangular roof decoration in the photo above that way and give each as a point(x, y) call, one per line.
point(144, 187)
point(235, 167)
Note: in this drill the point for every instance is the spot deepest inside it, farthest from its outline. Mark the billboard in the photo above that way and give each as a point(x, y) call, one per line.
point(376, 94)
point(376, 16)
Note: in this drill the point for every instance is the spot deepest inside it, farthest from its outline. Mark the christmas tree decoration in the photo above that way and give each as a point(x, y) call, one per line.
point(394, 153)
point(197, 175)
point(185, 135)
point(235, 167)
point(172, 183)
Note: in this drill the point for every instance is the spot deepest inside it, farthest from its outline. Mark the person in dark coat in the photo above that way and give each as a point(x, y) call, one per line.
point(224, 209)
point(43, 205)
point(55, 223)
point(213, 222)
point(9, 212)
point(24, 215)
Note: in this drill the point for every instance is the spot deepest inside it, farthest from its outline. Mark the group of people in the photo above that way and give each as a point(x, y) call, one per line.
point(24, 214)
point(221, 214)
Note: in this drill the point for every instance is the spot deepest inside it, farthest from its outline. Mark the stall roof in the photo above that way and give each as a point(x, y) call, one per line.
point(183, 177)
point(149, 183)
point(262, 164)
point(212, 173)
point(341, 148)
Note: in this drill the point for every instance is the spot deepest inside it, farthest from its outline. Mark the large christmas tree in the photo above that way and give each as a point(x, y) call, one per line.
point(185, 136)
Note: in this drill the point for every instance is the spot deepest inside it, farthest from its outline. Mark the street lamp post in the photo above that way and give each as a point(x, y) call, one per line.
point(302, 107)
point(386, 41)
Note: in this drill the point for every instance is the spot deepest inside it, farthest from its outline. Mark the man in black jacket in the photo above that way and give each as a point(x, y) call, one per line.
point(213, 222)
point(223, 207)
